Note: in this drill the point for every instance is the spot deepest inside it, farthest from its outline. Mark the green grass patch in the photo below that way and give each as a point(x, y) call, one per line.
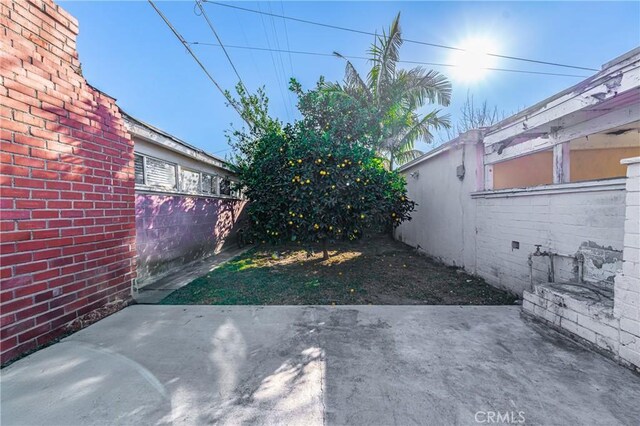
point(374, 271)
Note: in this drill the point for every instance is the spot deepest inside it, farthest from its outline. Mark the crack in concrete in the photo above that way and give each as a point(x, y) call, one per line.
point(323, 367)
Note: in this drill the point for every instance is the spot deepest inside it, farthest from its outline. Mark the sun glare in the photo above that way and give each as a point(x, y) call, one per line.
point(471, 63)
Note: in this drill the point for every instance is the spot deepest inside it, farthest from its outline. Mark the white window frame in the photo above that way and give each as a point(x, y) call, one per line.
point(198, 172)
point(144, 168)
point(215, 187)
point(230, 194)
point(146, 181)
point(179, 181)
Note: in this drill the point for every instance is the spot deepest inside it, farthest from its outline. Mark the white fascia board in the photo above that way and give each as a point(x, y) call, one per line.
point(472, 136)
point(592, 91)
point(616, 118)
point(151, 136)
point(430, 154)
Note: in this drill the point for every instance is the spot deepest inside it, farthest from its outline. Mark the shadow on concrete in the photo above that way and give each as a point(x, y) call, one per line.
point(317, 365)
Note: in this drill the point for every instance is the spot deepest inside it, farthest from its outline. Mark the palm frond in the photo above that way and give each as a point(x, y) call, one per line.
point(352, 78)
point(332, 87)
point(419, 86)
point(422, 129)
point(406, 156)
point(385, 57)
point(429, 122)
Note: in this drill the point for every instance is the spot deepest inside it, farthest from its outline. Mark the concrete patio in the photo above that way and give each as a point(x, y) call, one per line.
point(317, 365)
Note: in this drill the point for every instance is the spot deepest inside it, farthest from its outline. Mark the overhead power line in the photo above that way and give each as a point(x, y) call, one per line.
point(193, 55)
point(279, 72)
point(424, 43)
point(215, 33)
point(286, 33)
point(435, 64)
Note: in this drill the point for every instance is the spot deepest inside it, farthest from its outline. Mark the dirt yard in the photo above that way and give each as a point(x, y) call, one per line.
point(378, 271)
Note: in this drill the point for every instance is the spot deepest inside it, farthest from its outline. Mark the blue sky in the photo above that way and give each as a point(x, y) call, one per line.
point(127, 51)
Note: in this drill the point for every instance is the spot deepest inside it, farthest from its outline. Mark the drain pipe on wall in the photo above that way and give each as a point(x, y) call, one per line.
point(530, 263)
point(580, 258)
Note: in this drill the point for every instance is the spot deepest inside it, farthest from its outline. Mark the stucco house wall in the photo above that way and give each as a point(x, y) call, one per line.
point(443, 224)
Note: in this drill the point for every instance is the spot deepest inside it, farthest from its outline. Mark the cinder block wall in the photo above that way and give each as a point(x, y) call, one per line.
point(626, 303)
point(565, 223)
point(614, 328)
point(67, 187)
point(173, 230)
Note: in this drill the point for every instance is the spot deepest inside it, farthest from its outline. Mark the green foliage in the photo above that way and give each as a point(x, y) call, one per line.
point(347, 119)
point(328, 176)
point(395, 95)
point(318, 180)
point(255, 110)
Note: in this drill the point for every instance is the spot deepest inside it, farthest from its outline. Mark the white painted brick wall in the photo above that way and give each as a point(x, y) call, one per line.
point(627, 285)
point(578, 330)
point(559, 222)
point(615, 330)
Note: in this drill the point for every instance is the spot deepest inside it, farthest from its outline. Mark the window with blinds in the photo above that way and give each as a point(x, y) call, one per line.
point(138, 166)
point(160, 173)
point(154, 173)
point(189, 181)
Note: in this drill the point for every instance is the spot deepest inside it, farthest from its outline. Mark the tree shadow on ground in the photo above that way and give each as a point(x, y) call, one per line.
point(377, 270)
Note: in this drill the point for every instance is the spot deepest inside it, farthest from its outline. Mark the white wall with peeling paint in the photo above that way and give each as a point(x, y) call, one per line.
point(480, 230)
point(611, 325)
point(492, 233)
point(565, 221)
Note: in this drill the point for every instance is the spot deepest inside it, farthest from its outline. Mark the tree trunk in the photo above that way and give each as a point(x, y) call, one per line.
point(325, 253)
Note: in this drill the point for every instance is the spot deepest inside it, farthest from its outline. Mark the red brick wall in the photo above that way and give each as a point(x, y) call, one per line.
point(66, 188)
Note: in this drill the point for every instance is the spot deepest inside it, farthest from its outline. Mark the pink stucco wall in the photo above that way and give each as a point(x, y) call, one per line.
point(172, 230)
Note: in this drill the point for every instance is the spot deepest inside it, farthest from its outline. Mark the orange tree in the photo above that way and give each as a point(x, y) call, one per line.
point(319, 179)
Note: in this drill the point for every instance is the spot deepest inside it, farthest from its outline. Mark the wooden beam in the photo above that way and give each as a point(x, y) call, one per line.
point(611, 120)
point(488, 178)
point(480, 172)
point(561, 165)
point(598, 91)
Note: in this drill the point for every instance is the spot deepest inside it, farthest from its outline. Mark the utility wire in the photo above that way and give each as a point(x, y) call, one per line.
point(221, 150)
point(301, 52)
point(188, 47)
point(286, 33)
point(275, 66)
point(215, 33)
point(424, 43)
point(284, 73)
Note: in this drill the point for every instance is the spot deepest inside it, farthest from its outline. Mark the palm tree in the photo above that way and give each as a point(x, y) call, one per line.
point(397, 94)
